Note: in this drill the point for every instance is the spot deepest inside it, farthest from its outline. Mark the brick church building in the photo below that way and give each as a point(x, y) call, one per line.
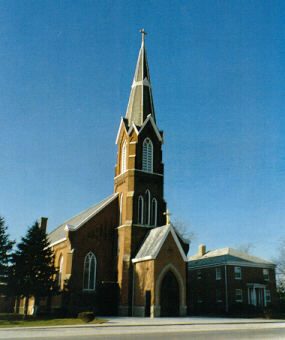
point(123, 255)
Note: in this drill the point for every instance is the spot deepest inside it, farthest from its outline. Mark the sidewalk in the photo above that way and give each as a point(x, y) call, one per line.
point(135, 321)
point(130, 322)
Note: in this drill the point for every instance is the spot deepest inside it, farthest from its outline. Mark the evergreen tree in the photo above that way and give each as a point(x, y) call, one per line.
point(33, 271)
point(6, 246)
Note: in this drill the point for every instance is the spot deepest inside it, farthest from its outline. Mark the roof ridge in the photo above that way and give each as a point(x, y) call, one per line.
point(81, 212)
point(229, 251)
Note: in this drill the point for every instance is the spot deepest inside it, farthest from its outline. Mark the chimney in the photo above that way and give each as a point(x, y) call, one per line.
point(43, 223)
point(202, 250)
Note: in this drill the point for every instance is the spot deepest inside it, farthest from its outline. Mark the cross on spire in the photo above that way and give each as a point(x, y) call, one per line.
point(143, 32)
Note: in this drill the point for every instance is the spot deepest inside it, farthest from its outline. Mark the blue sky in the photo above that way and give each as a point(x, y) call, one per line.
point(217, 70)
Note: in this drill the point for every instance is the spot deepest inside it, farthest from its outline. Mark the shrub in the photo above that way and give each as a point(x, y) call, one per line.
point(86, 316)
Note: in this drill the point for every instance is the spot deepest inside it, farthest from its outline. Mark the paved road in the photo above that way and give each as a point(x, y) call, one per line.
point(266, 331)
point(211, 335)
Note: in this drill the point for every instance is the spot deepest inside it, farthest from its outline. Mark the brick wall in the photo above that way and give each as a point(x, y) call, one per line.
point(208, 295)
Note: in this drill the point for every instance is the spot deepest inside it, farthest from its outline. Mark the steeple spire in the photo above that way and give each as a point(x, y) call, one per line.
point(140, 102)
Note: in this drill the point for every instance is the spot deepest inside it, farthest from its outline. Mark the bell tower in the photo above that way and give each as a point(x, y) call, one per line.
point(139, 176)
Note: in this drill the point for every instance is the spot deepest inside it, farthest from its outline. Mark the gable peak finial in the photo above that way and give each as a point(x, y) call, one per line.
point(143, 33)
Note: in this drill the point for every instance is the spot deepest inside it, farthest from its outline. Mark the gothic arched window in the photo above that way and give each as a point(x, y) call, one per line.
point(154, 212)
point(147, 207)
point(140, 210)
point(124, 157)
point(147, 155)
point(89, 272)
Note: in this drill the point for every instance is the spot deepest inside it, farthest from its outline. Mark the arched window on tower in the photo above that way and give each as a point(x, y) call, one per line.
point(147, 155)
point(147, 208)
point(140, 210)
point(154, 212)
point(89, 272)
point(124, 157)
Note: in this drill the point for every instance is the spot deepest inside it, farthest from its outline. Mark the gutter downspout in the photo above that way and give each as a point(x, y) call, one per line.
point(226, 289)
point(133, 289)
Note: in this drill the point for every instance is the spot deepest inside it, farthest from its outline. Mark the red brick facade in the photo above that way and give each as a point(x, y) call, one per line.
point(217, 289)
point(98, 236)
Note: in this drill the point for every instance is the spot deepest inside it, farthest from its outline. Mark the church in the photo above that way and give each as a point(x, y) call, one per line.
point(123, 256)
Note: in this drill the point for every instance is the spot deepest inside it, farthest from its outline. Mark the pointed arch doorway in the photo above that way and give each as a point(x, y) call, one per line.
point(169, 295)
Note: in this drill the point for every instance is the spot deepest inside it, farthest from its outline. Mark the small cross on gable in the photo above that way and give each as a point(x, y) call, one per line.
point(167, 214)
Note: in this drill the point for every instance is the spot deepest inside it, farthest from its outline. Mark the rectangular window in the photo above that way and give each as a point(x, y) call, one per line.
point(219, 295)
point(199, 274)
point(268, 296)
point(238, 295)
point(238, 273)
point(265, 274)
point(218, 273)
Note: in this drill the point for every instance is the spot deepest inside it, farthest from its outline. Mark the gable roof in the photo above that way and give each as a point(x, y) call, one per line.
point(149, 118)
point(59, 234)
point(123, 123)
point(227, 256)
point(154, 242)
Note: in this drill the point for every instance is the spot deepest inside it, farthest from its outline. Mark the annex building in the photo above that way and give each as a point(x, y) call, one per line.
point(226, 281)
point(123, 255)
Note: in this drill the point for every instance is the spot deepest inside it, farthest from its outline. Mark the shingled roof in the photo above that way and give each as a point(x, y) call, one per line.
point(227, 256)
point(154, 241)
point(75, 222)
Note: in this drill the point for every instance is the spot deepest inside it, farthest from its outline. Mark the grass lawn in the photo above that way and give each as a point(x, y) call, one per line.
point(14, 320)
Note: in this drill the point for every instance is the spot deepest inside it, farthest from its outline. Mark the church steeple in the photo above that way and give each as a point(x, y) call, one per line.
point(140, 102)
point(139, 176)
